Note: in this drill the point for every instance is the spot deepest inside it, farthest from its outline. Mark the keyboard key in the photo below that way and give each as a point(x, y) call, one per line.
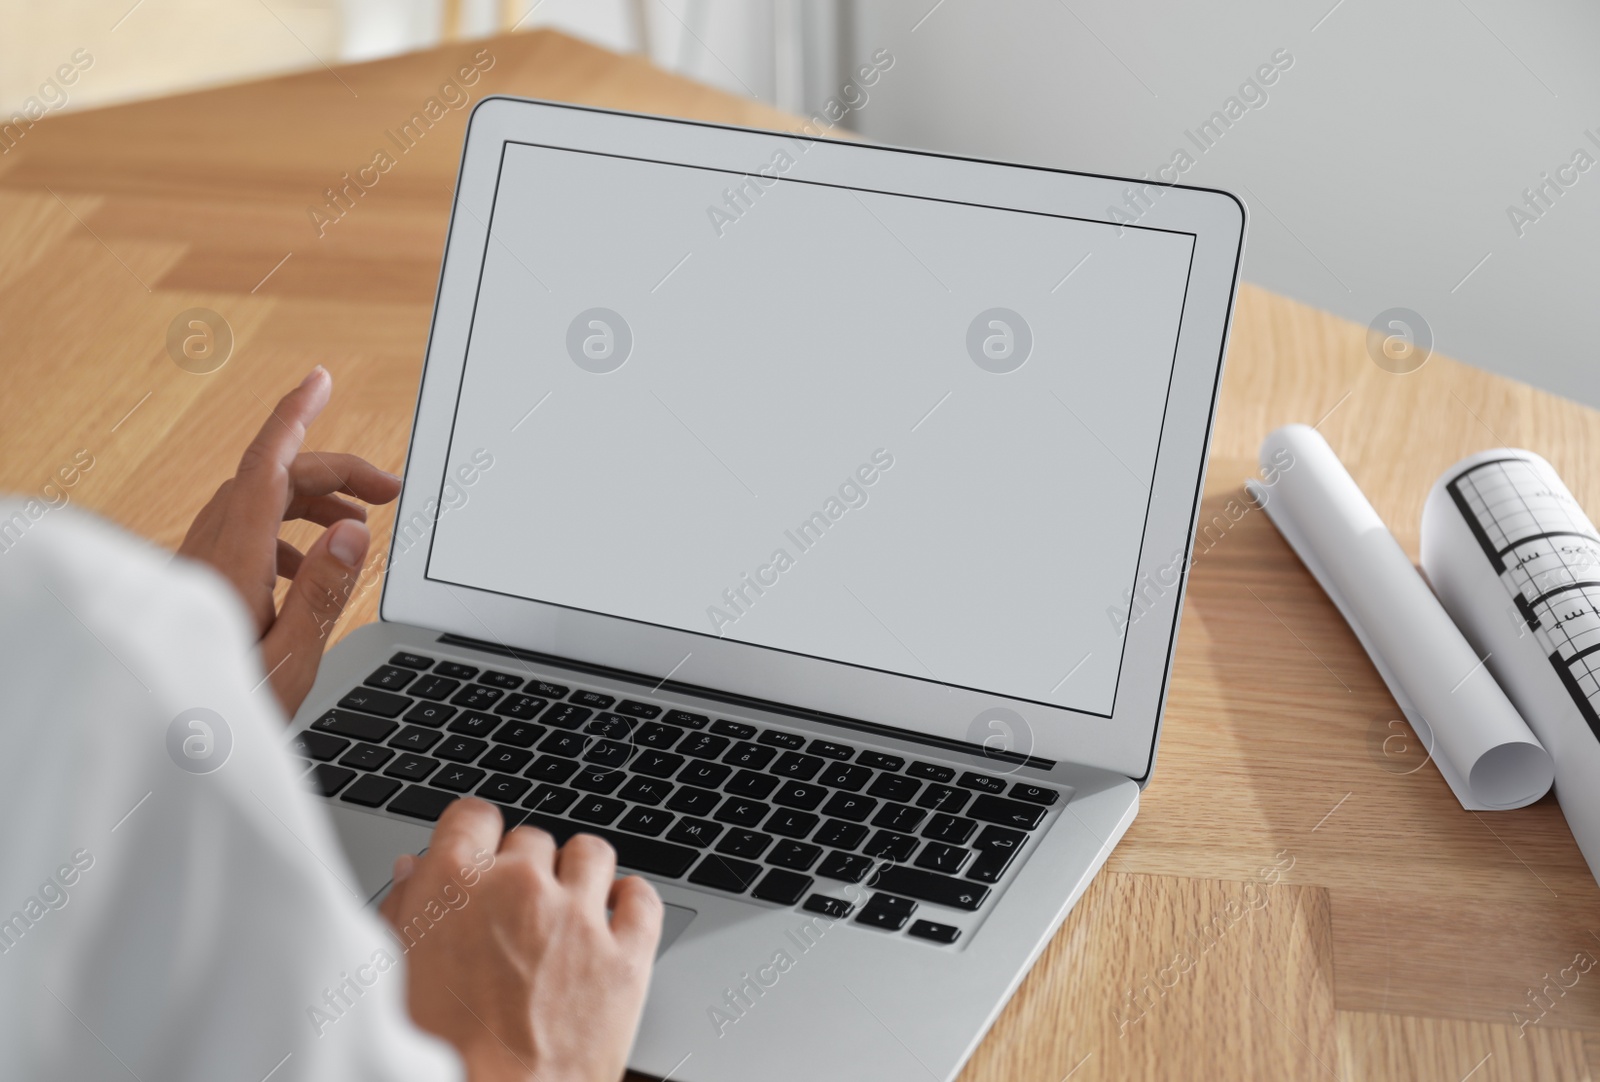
point(546, 690)
point(939, 933)
point(845, 776)
point(836, 908)
point(412, 661)
point(744, 843)
point(473, 723)
point(750, 783)
point(519, 734)
point(1033, 794)
point(390, 678)
point(597, 809)
point(705, 775)
point(637, 709)
point(930, 886)
point(568, 744)
point(649, 821)
point(931, 771)
point(785, 888)
point(370, 791)
point(901, 817)
point(355, 726)
point(800, 795)
point(1005, 812)
point(791, 823)
point(434, 714)
point(748, 755)
point(792, 764)
point(887, 912)
point(412, 767)
point(829, 750)
point(501, 680)
point(847, 867)
point(318, 746)
point(477, 697)
point(949, 828)
point(653, 734)
point(779, 739)
point(551, 768)
point(458, 779)
point(797, 855)
point(608, 753)
point(939, 857)
point(372, 701)
point(367, 757)
point(887, 845)
point(840, 834)
point(613, 725)
point(741, 812)
point(505, 759)
point(504, 788)
point(566, 716)
point(686, 719)
point(649, 855)
point(879, 761)
point(943, 798)
point(703, 745)
point(593, 699)
point(433, 687)
point(849, 806)
point(460, 749)
point(520, 706)
point(694, 801)
point(550, 799)
point(894, 787)
point(981, 782)
point(695, 832)
point(645, 790)
point(416, 738)
point(421, 802)
point(997, 847)
point(736, 729)
point(725, 873)
point(593, 779)
point(657, 764)
point(328, 779)
point(456, 670)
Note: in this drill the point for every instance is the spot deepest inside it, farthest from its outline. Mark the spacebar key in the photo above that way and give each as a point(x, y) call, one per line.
point(929, 887)
point(641, 854)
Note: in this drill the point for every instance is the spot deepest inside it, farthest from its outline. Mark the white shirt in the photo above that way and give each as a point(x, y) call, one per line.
point(158, 923)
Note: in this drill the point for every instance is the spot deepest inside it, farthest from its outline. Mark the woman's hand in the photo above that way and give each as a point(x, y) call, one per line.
point(237, 534)
point(511, 955)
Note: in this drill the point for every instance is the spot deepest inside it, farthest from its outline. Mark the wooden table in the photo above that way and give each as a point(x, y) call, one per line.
point(1404, 933)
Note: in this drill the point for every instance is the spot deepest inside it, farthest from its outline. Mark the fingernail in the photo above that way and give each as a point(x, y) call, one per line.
point(404, 865)
point(347, 541)
point(313, 375)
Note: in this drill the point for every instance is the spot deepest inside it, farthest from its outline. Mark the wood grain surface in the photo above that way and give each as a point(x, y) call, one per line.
point(1295, 900)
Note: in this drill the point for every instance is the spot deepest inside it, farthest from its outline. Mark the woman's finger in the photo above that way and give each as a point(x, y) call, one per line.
point(317, 473)
point(289, 559)
point(292, 647)
point(325, 510)
point(260, 490)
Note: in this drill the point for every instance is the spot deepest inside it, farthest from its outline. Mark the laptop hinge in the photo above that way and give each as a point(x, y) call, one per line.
point(751, 702)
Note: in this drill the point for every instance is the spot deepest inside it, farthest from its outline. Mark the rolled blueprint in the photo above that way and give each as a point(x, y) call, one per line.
point(1517, 564)
point(1480, 743)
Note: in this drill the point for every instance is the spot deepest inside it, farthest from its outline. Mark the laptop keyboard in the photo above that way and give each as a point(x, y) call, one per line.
point(727, 805)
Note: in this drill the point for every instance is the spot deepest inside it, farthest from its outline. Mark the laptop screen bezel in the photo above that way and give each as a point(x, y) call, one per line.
point(1125, 741)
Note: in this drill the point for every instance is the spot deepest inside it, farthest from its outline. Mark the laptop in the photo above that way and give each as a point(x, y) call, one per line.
point(809, 519)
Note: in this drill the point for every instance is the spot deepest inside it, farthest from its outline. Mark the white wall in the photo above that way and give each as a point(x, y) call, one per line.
point(1377, 174)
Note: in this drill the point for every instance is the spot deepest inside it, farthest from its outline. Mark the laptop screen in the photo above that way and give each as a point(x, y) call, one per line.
point(896, 432)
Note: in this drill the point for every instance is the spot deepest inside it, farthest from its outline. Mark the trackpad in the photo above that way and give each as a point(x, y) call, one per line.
point(370, 844)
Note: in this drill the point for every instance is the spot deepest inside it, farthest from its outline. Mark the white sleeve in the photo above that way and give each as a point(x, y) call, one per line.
point(156, 921)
